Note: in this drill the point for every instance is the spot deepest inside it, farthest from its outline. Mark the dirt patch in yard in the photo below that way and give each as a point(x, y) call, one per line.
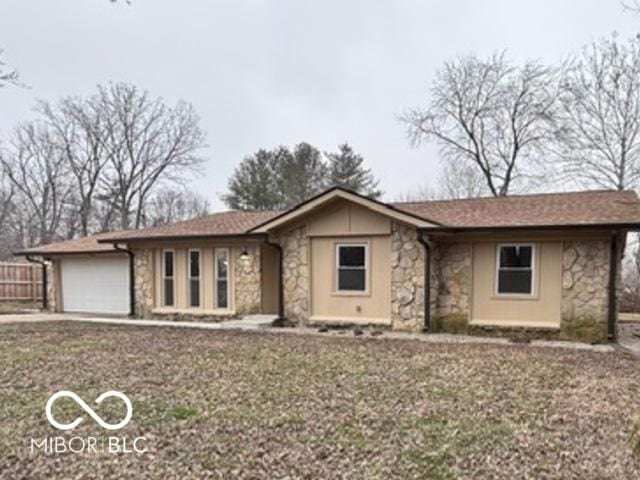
point(217, 404)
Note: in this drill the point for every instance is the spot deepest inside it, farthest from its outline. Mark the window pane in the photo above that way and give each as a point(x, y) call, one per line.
point(514, 281)
point(351, 279)
point(351, 256)
point(168, 292)
point(222, 263)
point(222, 301)
point(194, 291)
point(515, 256)
point(194, 259)
point(168, 264)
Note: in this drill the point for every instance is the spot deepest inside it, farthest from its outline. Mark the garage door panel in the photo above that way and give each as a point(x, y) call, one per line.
point(95, 285)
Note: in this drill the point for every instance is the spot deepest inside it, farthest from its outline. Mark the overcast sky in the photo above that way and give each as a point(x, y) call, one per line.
point(265, 73)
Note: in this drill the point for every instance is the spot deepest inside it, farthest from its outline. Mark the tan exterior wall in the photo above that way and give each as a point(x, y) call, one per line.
point(344, 218)
point(542, 309)
point(372, 306)
point(244, 281)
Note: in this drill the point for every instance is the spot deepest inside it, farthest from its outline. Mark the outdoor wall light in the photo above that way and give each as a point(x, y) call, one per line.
point(244, 255)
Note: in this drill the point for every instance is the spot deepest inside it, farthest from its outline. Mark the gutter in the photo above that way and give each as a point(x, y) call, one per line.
point(613, 276)
point(132, 286)
point(278, 247)
point(423, 238)
point(45, 300)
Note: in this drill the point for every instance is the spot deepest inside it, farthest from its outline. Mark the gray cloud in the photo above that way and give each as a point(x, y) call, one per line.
point(263, 73)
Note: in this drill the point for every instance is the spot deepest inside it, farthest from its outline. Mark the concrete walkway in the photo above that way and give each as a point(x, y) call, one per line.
point(250, 322)
point(264, 322)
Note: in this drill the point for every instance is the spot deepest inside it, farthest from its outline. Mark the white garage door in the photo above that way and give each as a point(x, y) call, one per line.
point(96, 284)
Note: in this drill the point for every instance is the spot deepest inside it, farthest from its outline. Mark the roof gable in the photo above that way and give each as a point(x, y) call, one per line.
point(317, 202)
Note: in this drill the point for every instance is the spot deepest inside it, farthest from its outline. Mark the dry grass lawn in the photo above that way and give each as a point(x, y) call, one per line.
point(249, 405)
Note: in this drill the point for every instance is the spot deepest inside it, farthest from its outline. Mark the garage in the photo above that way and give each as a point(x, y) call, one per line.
point(95, 284)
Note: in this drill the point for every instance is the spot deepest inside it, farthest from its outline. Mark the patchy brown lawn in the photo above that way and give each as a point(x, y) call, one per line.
point(13, 307)
point(245, 405)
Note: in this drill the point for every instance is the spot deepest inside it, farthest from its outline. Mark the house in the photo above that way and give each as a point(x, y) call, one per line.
point(547, 264)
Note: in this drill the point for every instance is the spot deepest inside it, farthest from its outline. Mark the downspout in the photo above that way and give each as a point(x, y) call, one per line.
point(278, 247)
point(45, 300)
point(423, 238)
point(613, 276)
point(132, 274)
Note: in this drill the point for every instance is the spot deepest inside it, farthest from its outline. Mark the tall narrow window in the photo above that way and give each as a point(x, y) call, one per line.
point(515, 269)
point(168, 284)
point(194, 278)
point(351, 268)
point(222, 278)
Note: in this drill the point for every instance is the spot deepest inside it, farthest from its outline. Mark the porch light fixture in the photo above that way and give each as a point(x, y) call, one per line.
point(244, 255)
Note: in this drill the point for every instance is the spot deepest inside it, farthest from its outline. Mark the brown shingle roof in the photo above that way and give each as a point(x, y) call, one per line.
point(78, 245)
point(604, 207)
point(552, 209)
point(217, 224)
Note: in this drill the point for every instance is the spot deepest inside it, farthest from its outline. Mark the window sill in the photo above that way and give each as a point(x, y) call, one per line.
point(351, 293)
point(514, 296)
point(193, 311)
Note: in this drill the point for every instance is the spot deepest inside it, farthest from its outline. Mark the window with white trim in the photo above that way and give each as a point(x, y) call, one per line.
point(194, 278)
point(168, 284)
point(222, 277)
point(515, 267)
point(351, 266)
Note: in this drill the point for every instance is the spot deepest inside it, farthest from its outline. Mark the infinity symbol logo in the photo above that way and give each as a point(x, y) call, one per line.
point(88, 409)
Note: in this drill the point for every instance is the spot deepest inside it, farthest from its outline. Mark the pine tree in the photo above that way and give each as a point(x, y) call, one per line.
point(301, 173)
point(346, 170)
point(254, 184)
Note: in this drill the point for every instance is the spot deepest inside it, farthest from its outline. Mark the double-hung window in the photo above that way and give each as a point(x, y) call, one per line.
point(168, 283)
point(351, 266)
point(194, 278)
point(222, 277)
point(515, 269)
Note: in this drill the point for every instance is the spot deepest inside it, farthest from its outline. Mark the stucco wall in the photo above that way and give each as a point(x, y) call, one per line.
point(541, 309)
point(327, 304)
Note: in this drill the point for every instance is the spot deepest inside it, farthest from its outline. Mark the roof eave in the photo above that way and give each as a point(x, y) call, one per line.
point(628, 226)
point(204, 236)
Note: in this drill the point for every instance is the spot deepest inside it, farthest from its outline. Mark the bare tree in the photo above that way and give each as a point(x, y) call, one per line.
point(488, 114)
point(455, 181)
point(598, 129)
point(78, 131)
point(7, 76)
point(172, 205)
point(39, 176)
point(148, 143)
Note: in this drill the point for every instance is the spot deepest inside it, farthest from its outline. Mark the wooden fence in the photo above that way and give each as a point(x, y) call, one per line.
point(20, 281)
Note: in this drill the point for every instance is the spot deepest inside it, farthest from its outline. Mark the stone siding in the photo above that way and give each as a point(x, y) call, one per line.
point(295, 250)
point(451, 286)
point(407, 279)
point(143, 281)
point(585, 287)
point(53, 273)
point(247, 280)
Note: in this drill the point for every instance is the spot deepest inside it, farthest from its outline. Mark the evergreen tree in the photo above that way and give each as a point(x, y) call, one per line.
point(301, 173)
point(254, 184)
point(346, 170)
